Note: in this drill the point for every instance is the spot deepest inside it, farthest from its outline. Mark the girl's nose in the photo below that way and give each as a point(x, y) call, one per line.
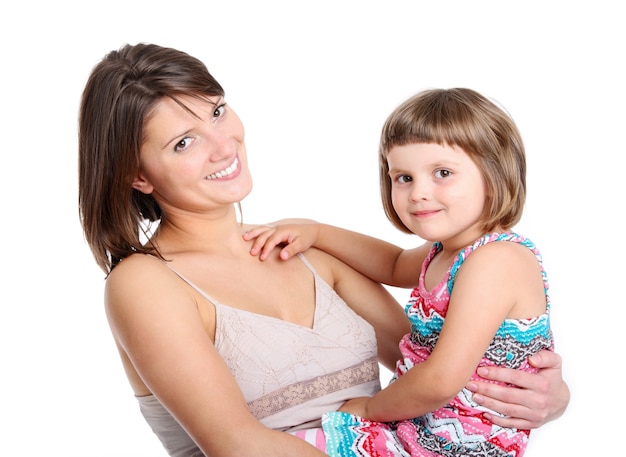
point(419, 191)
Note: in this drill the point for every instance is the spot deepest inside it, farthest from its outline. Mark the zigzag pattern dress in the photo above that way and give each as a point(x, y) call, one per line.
point(458, 428)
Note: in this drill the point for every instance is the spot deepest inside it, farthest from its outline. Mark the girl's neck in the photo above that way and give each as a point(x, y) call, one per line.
point(451, 247)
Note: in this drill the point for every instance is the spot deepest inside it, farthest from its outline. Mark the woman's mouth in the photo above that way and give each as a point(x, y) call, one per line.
point(229, 170)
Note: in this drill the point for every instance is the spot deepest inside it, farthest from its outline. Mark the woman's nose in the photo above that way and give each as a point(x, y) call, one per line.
point(222, 144)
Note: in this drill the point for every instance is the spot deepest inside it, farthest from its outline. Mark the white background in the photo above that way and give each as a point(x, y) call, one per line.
point(312, 82)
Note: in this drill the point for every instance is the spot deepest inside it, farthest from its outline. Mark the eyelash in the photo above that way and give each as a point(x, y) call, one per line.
point(177, 148)
point(440, 174)
point(217, 113)
point(403, 179)
point(220, 109)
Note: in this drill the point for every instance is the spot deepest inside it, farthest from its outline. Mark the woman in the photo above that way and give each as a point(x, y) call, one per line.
point(225, 353)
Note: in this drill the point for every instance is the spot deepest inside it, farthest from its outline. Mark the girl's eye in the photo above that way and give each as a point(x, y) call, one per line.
point(182, 144)
point(442, 173)
point(403, 179)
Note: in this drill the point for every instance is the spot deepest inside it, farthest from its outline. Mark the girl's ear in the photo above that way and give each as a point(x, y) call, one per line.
point(142, 185)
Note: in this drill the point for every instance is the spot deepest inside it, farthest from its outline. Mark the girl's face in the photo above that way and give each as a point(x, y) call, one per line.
point(438, 192)
point(193, 161)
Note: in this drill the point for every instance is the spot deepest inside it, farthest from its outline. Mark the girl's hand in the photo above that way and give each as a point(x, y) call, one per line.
point(538, 398)
point(294, 235)
point(356, 406)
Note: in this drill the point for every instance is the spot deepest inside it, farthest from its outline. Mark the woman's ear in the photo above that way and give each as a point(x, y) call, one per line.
point(142, 185)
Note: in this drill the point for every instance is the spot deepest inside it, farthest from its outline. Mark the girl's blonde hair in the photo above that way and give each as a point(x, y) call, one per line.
point(466, 119)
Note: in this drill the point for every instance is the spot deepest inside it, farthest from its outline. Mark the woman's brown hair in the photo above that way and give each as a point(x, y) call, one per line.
point(119, 96)
point(466, 119)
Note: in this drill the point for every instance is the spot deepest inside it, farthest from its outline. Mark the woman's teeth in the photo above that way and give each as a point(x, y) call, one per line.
point(225, 172)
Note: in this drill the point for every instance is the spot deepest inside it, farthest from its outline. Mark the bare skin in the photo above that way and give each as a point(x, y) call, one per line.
point(181, 161)
point(196, 168)
point(540, 398)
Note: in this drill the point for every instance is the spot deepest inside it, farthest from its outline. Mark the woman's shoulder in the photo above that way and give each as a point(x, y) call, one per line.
point(136, 266)
point(141, 277)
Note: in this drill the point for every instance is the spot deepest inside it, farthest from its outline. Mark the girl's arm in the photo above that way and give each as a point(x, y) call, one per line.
point(536, 398)
point(367, 298)
point(157, 324)
point(379, 260)
point(500, 280)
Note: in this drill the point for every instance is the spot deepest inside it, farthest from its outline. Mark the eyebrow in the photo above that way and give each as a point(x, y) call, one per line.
point(174, 138)
point(214, 104)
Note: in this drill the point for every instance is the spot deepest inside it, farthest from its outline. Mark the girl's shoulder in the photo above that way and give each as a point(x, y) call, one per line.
point(501, 245)
point(503, 257)
point(499, 253)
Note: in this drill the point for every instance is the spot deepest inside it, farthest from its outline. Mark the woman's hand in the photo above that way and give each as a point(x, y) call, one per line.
point(538, 398)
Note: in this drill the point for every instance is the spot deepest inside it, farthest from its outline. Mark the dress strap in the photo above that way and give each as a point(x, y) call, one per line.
point(215, 302)
point(489, 238)
point(200, 291)
point(307, 263)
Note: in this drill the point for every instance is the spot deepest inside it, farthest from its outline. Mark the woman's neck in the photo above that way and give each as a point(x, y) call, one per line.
point(184, 232)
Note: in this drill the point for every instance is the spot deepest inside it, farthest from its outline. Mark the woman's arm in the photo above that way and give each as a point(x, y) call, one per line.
point(156, 322)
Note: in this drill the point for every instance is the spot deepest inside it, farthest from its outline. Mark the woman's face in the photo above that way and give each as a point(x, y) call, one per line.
point(193, 161)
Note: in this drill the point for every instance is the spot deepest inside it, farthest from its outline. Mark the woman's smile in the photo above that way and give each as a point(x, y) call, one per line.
point(229, 172)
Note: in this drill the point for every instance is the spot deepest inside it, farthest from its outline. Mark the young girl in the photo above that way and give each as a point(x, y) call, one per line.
point(452, 171)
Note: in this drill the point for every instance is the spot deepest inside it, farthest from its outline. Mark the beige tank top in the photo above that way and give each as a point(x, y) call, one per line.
point(290, 375)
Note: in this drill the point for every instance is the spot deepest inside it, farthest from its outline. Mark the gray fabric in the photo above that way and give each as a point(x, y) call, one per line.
point(289, 374)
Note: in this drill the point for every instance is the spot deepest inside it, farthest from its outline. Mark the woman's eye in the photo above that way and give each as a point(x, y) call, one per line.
point(182, 144)
point(442, 173)
point(219, 110)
